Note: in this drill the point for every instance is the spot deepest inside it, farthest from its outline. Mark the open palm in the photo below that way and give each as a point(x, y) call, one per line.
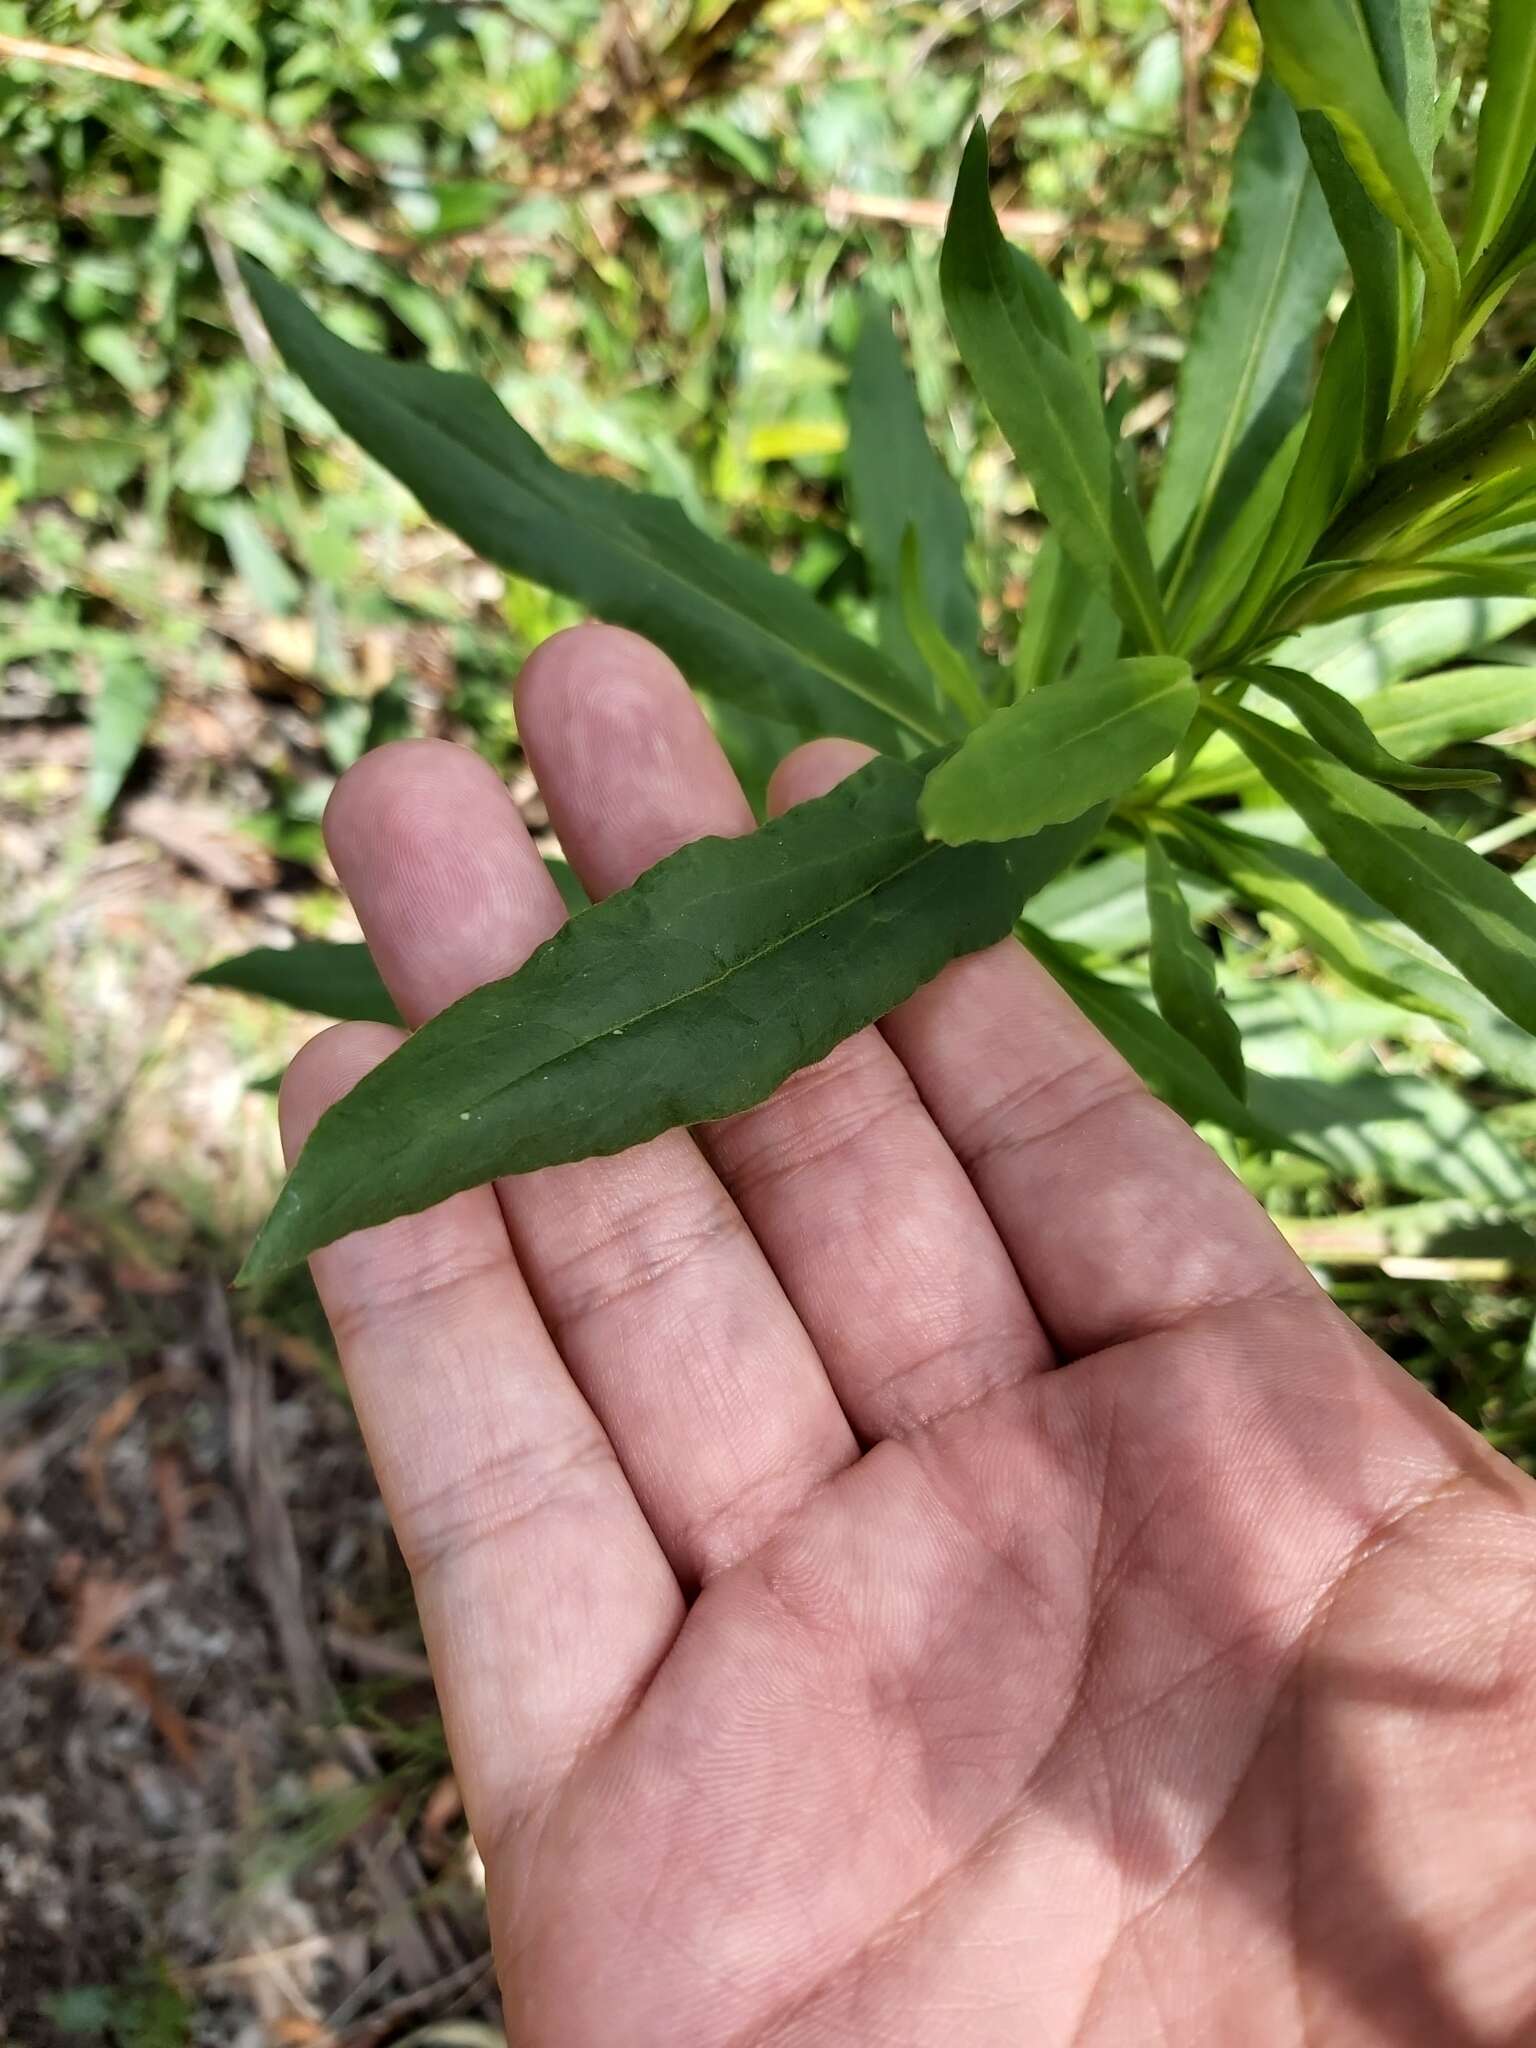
point(919, 1563)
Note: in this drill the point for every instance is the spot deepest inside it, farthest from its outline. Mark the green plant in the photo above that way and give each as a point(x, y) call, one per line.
point(1125, 721)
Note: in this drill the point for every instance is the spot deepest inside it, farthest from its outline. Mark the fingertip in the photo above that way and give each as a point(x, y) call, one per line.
point(395, 794)
point(622, 669)
point(812, 770)
point(623, 754)
point(325, 1069)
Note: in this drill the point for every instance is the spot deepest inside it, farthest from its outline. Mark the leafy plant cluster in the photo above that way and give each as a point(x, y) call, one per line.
point(1287, 504)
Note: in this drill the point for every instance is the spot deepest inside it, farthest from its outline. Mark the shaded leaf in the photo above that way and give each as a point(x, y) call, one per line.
point(1033, 365)
point(326, 980)
point(944, 663)
point(1294, 883)
point(1506, 129)
point(1053, 617)
point(731, 625)
point(1167, 1062)
point(1316, 486)
point(895, 480)
point(1047, 758)
point(1248, 370)
point(1335, 724)
point(1411, 720)
point(1183, 972)
point(1356, 938)
point(689, 996)
point(1323, 55)
point(1467, 909)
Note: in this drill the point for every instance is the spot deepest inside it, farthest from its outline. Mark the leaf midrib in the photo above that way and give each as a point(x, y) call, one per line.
point(927, 850)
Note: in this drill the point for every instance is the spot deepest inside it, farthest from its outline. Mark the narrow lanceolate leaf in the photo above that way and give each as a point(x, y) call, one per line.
point(1053, 617)
point(689, 996)
point(1338, 923)
point(1319, 480)
point(1506, 129)
point(945, 663)
point(1402, 33)
point(1184, 974)
point(733, 627)
point(327, 980)
point(1465, 907)
point(1033, 365)
point(1381, 282)
point(1365, 652)
point(1323, 55)
point(1246, 376)
point(895, 480)
point(1410, 721)
point(1335, 724)
point(1363, 945)
point(1046, 759)
point(1167, 1062)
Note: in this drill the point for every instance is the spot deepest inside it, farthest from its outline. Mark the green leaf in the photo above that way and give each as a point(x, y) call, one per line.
point(121, 714)
point(1053, 618)
point(1033, 365)
point(326, 980)
point(1184, 974)
point(1414, 1134)
point(1322, 53)
point(1296, 885)
point(1410, 720)
point(1378, 272)
point(1248, 370)
point(1506, 129)
point(1356, 938)
point(1359, 588)
point(211, 458)
point(1166, 1061)
point(896, 480)
point(1227, 572)
point(733, 627)
point(1335, 724)
point(1466, 908)
point(1047, 758)
point(691, 995)
point(1318, 482)
point(944, 663)
point(1403, 36)
point(1371, 649)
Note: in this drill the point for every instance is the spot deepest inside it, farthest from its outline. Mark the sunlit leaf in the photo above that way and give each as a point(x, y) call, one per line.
point(1336, 724)
point(1467, 908)
point(1506, 129)
point(1046, 759)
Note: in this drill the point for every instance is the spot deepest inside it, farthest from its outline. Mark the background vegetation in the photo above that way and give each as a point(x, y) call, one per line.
point(652, 224)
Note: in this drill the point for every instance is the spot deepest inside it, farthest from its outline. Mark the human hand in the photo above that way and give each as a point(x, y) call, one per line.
point(820, 1664)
